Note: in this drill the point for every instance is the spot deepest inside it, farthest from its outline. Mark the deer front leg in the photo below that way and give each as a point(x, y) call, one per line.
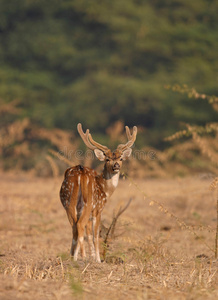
point(96, 225)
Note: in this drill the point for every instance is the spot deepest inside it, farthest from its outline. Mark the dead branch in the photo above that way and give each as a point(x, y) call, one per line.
point(111, 228)
point(60, 156)
point(53, 165)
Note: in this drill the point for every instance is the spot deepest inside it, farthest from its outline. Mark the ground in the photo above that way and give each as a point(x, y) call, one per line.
point(163, 246)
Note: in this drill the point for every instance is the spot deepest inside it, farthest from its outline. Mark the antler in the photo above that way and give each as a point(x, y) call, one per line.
point(88, 140)
point(90, 143)
point(131, 139)
point(97, 145)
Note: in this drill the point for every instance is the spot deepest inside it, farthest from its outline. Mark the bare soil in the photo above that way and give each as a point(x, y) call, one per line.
point(163, 246)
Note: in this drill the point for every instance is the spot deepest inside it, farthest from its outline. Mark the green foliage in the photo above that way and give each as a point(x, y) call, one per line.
point(97, 62)
point(75, 281)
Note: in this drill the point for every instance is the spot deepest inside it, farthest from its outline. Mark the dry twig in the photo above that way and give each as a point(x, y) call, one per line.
point(113, 225)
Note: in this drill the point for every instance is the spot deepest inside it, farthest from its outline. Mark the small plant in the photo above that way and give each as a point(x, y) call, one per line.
point(74, 281)
point(75, 285)
point(64, 256)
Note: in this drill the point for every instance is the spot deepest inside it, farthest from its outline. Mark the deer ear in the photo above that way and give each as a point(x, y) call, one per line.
point(99, 154)
point(126, 153)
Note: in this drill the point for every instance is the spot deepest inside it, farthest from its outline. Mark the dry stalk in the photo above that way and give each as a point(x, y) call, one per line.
point(113, 225)
point(53, 165)
point(205, 149)
point(61, 157)
point(192, 93)
point(13, 132)
point(115, 218)
point(10, 107)
point(214, 186)
point(216, 239)
point(209, 128)
point(56, 136)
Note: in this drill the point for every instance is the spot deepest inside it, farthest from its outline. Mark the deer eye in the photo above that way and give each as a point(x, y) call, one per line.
point(121, 159)
point(107, 159)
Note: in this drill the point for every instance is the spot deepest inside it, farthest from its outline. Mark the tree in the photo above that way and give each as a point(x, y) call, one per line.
point(100, 61)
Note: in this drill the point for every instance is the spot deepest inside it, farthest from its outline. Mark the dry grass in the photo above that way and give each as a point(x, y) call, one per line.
point(152, 257)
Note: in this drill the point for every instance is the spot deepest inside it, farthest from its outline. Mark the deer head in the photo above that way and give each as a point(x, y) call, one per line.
point(113, 159)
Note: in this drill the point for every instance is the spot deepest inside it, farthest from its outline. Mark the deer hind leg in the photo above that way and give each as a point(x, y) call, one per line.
point(73, 223)
point(84, 215)
point(80, 240)
point(74, 239)
point(96, 225)
point(72, 215)
point(89, 231)
point(81, 224)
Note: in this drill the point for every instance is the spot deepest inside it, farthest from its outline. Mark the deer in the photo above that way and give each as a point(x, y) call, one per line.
point(84, 193)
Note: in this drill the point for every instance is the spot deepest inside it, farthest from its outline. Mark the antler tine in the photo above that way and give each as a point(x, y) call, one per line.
point(88, 140)
point(84, 136)
point(97, 145)
point(128, 133)
point(131, 139)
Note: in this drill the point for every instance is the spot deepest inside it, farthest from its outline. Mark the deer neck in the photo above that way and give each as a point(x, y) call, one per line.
point(110, 181)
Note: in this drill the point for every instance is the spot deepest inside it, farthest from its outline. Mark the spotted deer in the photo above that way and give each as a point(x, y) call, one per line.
point(84, 193)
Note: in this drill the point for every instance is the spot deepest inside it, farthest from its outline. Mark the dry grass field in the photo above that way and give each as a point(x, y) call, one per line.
point(153, 255)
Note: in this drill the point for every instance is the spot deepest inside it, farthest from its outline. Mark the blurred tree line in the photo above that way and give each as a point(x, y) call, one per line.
point(96, 62)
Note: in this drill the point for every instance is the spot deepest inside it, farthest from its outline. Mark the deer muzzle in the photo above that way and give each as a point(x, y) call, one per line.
point(116, 167)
